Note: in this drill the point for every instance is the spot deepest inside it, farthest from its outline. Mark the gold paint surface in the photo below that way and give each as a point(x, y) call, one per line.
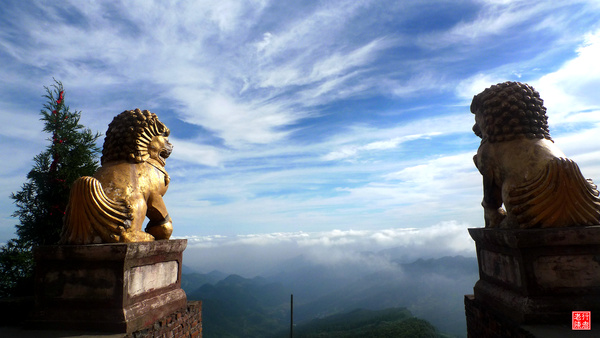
point(111, 206)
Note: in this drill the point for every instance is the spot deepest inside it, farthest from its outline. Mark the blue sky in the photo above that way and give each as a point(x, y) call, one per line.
point(303, 123)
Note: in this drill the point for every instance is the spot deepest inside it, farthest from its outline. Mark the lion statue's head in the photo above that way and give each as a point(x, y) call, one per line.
point(136, 136)
point(508, 110)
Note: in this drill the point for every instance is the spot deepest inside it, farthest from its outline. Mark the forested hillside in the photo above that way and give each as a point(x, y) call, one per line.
point(395, 322)
point(431, 290)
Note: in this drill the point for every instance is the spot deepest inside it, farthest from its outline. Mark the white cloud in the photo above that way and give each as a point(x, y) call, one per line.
point(363, 140)
point(423, 79)
point(309, 196)
point(252, 82)
point(305, 32)
point(163, 57)
point(342, 153)
point(196, 153)
point(25, 126)
point(238, 123)
point(494, 19)
point(262, 251)
point(339, 63)
point(569, 92)
point(581, 147)
point(435, 173)
point(573, 88)
point(474, 85)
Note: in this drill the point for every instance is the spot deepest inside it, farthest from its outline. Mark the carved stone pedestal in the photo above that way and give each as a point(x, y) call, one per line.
point(108, 287)
point(539, 275)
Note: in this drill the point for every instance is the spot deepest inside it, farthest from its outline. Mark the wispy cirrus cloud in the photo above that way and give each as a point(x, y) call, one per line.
point(237, 122)
point(496, 19)
point(303, 116)
point(352, 151)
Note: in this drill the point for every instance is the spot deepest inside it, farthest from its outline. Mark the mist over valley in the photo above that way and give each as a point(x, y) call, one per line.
point(428, 287)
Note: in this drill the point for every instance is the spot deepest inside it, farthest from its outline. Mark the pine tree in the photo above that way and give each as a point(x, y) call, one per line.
point(16, 264)
point(42, 200)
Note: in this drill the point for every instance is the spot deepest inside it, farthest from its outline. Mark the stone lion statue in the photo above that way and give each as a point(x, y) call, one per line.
point(522, 168)
point(111, 206)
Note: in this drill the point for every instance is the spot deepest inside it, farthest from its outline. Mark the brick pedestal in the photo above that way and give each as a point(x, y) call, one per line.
point(108, 287)
point(182, 323)
point(186, 322)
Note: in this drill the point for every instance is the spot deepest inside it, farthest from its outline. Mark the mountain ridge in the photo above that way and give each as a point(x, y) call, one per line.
point(432, 289)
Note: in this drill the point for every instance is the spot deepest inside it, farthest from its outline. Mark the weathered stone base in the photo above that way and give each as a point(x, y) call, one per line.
point(485, 322)
point(534, 309)
point(539, 276)
point(108, 287)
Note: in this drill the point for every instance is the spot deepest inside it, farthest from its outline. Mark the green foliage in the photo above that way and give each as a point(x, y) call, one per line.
point(42, 200)
point(432, 289)
point(364, 323)
point(241, 307)
point(71, 154)
point(16, 264)
point(191, 281)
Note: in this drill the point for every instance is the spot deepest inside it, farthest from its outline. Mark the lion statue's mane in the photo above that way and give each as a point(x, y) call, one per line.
point(129, 135)
point(511, 109)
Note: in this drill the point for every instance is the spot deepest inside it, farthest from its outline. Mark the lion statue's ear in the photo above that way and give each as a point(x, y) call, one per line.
point(153, 127)
point(142, 145)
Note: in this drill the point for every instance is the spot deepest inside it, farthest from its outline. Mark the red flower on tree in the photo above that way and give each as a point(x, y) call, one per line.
point(60, 97)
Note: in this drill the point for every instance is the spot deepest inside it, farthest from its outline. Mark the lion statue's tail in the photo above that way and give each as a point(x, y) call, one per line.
point(560, 196)
point(91, 216)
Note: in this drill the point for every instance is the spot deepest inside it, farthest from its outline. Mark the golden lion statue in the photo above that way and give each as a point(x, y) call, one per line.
point(111, 206)
point(521, 166)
